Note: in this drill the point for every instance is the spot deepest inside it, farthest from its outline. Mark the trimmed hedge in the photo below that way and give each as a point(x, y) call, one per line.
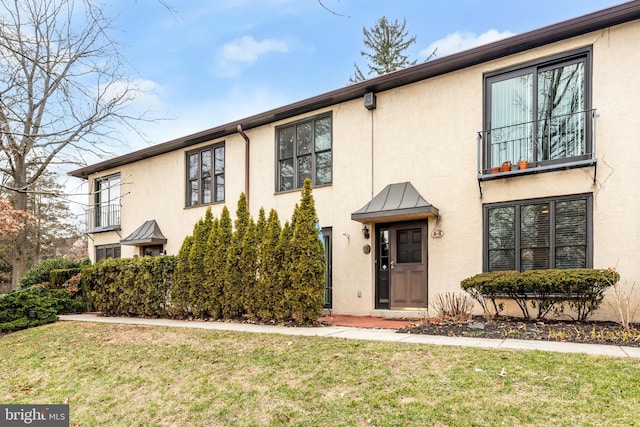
point(581, 290)
point(130, 286)
point(36, 306)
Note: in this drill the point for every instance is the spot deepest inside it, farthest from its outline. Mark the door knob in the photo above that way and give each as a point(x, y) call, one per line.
point(392, 264)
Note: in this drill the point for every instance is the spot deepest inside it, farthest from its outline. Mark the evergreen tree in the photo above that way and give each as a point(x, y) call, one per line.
point(218, 264)
point(233, 304)
point(179, 289)
point(208, 280)
point(282, 285)
point(197, 292)
point(307, 261)
point(386, 43)
point(249, 268)
point(266, 292)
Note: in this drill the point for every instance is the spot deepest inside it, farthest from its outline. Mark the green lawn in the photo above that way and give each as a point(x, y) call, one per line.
point(123, 375)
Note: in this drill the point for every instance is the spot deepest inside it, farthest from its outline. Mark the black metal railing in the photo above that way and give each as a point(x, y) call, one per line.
point(540, 143)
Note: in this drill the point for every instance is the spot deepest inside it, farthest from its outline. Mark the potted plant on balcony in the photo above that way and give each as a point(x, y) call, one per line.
point(523, 164)
point(495, 169)
point(506, 166)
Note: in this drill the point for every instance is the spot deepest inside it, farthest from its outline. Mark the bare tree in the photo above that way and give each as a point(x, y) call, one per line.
point(62, 93)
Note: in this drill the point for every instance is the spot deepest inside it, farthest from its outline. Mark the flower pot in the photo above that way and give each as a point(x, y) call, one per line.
point(523, 164)
point(506, 167)
point(495, 169)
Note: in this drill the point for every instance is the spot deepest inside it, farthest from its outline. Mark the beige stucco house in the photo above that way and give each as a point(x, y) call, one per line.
point(417, 175)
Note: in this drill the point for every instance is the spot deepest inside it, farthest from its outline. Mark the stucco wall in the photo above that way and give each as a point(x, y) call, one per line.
point(423, 133)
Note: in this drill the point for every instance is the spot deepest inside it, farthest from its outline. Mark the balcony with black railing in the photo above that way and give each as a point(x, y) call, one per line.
point(103, 218)
point(549, 144)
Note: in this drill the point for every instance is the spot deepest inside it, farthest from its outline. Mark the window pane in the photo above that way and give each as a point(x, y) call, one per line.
point(285, 143)
point(571, 257)
point(511, 119)
point(114, 189)
point(286, 175)
point(193, 166)
point(409, 246)
point(501, 238)
point(206, 163)
point(206, 190)
point(571, 234)
point(571, 222)
point(303, 140)
point(219, 188)
point(561, 103)
point(323, 168)
point(323, 134)
point(534, 236)
point(501, 227)
point(219, 159)
point(502, 260)
point(304, 169)
point(193, 193)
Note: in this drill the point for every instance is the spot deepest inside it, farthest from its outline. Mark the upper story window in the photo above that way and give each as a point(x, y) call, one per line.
point(539, 112)
point(107, 202)
point(304, 150)
point(539, 234)
point(205, 175)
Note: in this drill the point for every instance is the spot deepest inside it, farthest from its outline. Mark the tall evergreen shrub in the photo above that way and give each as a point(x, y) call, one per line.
point(179, 290)
point(233, 296)
point(198, 294)
point(266, 292)
point(217, 264)
point(307, 261)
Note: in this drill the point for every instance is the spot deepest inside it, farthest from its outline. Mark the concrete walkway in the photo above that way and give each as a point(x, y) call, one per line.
point(371, 335)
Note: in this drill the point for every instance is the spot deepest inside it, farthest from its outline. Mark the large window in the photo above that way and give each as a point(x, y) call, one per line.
point(107, 202)
point(304, 150)
point(205, 175)
point(539, 112)
point(539, 234)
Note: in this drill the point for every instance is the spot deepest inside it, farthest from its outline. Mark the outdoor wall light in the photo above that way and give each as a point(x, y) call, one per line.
point(365, 232)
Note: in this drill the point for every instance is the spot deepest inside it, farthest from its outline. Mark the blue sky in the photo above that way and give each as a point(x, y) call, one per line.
point(206, 63)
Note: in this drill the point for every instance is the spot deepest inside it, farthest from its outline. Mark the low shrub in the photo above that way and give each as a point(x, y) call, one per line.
point(580, 290)
point(36, 306)
point(130, 286)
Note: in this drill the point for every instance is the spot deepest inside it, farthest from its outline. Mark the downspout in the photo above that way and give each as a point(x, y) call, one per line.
point(246, 162)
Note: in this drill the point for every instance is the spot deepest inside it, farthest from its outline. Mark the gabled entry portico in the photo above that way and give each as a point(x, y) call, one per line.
point(400, 217)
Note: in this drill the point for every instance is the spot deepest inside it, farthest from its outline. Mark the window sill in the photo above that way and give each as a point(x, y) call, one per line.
point(204, 205)
point(298, 190)
point(537, 169)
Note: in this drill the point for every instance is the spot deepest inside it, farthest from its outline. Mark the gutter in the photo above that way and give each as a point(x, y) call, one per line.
point(246, 162)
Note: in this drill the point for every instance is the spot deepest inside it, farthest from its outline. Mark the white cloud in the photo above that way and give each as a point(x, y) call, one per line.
point(459, 41)
point(245, 51)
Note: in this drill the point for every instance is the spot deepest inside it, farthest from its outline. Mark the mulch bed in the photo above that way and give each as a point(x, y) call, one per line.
point(592, 332)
